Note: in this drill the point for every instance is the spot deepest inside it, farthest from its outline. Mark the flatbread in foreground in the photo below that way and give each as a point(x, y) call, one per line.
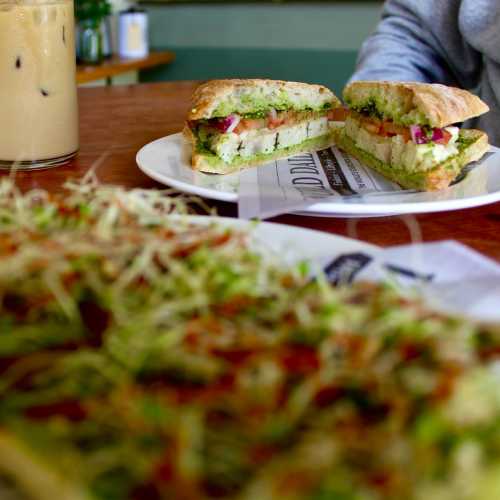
point(237, 124)
point(404, 131)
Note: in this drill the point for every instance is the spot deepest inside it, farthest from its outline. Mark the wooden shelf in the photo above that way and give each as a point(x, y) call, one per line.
point(117, 65)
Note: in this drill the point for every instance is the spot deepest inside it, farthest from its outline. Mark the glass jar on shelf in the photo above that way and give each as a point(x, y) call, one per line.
point(38, 97)
point(90, 41)
point(93, 38)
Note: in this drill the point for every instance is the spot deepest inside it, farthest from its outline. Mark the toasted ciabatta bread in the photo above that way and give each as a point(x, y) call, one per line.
point(219, 98)
point(405, 131)
point(413, 103)
point(439, 176)
point(235, 124)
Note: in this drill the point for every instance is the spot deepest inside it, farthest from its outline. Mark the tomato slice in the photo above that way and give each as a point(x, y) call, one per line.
point(406, 135)
point(249, 124)
point(273, 123)
point(390, 128)
point(338, 114)
point(386, 128)
point(445, 139)
point(70, 409)
point(372, 126)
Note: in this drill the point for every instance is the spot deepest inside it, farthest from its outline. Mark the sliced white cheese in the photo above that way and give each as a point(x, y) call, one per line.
point(317, 128)
point(226, 146)
point(264, 141)
point(366, 141)
point(257, 142)
point(292, 135)
point(351, 127)
point(395, 151)
point(378, 146)
point(411, 154)
point(425, 156)
point(383, 151)
point(437, 153)
point(398, 146)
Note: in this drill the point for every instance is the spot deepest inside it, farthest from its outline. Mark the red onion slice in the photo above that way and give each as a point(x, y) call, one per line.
point(234, 123)
point(437, 134)
point(226, 125)
point(418, 135)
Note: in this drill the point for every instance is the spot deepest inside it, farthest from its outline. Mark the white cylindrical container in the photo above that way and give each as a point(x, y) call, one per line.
point(133, 33)
point(38, 101)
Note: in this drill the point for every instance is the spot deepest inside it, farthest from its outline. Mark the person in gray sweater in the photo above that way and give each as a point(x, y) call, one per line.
point(454, 42)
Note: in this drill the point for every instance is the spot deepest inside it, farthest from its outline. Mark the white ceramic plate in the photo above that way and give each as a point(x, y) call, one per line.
point(167, 161)
point(294, 243)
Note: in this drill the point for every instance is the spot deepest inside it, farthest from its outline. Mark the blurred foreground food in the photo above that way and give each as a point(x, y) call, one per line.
point(144, 357)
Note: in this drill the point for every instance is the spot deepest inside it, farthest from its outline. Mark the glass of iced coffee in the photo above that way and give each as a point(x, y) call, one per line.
point(38, 102)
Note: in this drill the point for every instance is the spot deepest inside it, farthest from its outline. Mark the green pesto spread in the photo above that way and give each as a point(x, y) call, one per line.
point(255, 106)
point(383, 109)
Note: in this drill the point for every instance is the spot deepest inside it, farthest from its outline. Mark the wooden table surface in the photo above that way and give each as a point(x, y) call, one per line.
point(117, 121)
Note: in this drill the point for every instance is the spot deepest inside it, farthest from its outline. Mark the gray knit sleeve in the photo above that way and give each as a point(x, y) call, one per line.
point(419, 40)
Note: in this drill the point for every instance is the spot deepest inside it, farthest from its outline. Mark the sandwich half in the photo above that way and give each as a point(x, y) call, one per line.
point(405, 131)
point(234, 124)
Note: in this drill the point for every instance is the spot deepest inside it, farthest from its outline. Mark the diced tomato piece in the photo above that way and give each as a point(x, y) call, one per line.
point(165, 470)
point(147, 491)
point(338, 114)
point(371, 127)
point(273, 123)
point(386, 128)
point(390, 129)
point(250, 124)
point(235, 356)
point(262, 453)
point(406, 135)
point(327, 396)
point(446, 138)
point(410, 351)
point(275, 119)
point(6, 363)
point(72, 410)
point(393, 129)
point(96, 319)
point(381, 479)
point(300, 360)
point(239, 129)
point(233, 306)
point(254, 124)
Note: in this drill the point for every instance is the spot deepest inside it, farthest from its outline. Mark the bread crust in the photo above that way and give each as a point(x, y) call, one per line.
point(442, 105)
point(208, 96)
point(189, 136)
point(437, 178)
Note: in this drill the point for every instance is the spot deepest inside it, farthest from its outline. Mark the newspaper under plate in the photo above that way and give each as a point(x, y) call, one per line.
point(331, 175)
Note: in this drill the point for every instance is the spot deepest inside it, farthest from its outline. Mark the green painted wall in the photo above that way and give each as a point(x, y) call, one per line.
point(307, 25)
point(309, 42)
point(328, 67)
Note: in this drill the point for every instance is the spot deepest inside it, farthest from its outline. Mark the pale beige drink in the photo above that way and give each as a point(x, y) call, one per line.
point(38, 103)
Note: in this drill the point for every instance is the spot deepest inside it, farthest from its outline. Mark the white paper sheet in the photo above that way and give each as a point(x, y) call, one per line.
point(450, 276)
point(296, 183)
